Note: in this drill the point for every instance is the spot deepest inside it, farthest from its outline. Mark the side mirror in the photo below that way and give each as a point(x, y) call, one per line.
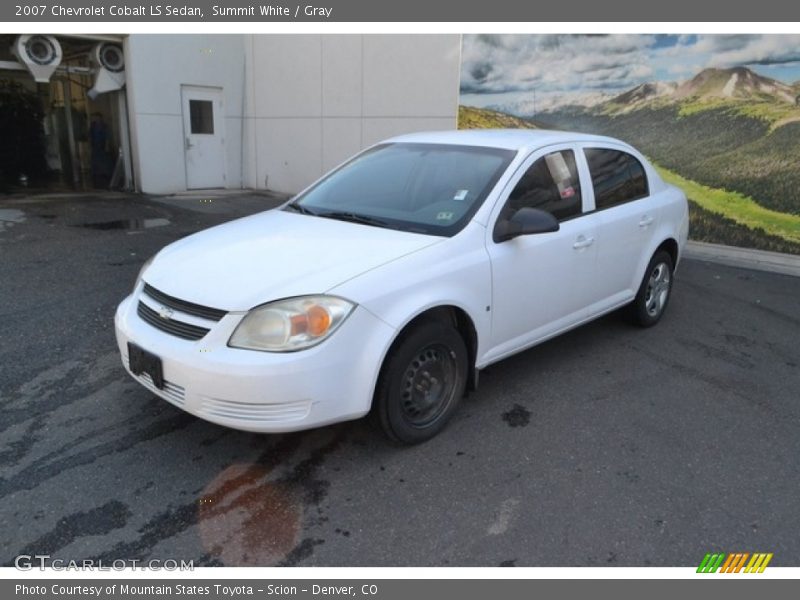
point(525, 221)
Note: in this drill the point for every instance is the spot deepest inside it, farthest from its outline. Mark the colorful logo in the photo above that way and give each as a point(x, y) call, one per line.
point(735, 562)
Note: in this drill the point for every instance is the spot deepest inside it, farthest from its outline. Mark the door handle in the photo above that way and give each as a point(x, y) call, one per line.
point(583, 242)
point(188, 143)
point(646, 221)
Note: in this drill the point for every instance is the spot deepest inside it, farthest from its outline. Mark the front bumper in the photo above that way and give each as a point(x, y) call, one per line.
point(262, 391)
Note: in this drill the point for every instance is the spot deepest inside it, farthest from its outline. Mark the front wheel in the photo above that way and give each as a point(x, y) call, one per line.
point(654, 292)
point(421, 383)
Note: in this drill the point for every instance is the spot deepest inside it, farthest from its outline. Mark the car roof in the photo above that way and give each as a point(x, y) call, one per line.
point(510, 139)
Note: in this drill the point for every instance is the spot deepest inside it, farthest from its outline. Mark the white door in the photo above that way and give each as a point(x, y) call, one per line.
point(627, 217)
point(204, 138)
point(540, 282)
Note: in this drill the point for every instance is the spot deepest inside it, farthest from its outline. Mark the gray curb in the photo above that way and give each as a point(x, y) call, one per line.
point(773, 262)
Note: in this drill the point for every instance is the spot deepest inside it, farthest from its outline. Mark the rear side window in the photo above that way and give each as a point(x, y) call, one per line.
point(617, 177)
point(550, 184)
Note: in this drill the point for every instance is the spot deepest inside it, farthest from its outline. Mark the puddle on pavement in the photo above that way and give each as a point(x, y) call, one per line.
point(126, 224)
point(10, 216)
point(247, 520)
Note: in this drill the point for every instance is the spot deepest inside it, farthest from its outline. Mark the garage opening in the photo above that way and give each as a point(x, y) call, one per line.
point(63, 114)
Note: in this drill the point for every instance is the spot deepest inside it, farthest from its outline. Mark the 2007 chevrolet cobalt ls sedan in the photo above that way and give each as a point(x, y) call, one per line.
point(389, 283)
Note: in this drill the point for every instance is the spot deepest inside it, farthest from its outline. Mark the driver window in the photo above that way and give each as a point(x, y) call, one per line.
point(550, 184)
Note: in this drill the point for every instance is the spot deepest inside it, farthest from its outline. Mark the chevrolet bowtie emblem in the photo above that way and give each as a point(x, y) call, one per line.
point(165, 313)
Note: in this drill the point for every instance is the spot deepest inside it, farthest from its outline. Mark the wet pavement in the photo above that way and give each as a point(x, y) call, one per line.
point(607, 446)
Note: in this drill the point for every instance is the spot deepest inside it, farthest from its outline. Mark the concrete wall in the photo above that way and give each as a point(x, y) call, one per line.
point(318, 99)
point(156, 67)
point(310, 101)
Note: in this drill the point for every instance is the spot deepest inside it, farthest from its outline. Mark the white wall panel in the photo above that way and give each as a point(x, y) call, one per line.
point(411, 75)
point(288, 75)
point(308, 101)
point(159, 65)
point(341, 75)
point(162, 169)
point(341, 139)
point(289, 153)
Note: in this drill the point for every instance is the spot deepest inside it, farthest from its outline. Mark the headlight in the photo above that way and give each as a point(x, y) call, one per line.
point(143, 269)
point(289, 325)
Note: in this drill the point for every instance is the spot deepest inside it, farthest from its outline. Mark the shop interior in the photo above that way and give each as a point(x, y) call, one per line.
point(63, 113)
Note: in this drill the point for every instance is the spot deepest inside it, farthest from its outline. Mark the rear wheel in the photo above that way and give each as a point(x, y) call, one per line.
point(421, 383)
point(654, 292)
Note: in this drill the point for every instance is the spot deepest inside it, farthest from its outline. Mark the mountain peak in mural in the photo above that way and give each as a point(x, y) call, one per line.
point(645, 92)
point(736, 82)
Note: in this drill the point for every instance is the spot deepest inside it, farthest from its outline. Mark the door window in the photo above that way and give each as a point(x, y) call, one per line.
point(617, 177)
point(201, 116)
point(550, 184)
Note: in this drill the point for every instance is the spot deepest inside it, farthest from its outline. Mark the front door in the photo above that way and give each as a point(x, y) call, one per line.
point(541, 282)
point(204, 139)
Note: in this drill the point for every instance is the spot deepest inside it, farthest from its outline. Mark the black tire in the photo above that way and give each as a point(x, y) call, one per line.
point(654, 292)
point(421, 383)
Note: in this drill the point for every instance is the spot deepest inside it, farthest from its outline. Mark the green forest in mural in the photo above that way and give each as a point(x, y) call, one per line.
point(728, 136)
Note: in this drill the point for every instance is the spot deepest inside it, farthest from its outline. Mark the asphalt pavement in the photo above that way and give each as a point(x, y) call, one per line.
point(610, 445)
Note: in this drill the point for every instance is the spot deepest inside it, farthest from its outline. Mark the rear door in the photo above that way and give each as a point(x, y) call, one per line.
point(626, 219)
point(541, 281)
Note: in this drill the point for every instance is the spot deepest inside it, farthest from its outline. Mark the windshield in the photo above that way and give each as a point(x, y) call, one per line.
point(425, 188)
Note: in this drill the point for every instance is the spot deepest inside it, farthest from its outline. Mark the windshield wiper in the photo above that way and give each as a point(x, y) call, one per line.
point(301, 209)
point(354, 218)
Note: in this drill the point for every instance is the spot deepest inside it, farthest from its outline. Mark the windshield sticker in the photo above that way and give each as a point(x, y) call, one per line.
point(461, 195)
point(444, 216)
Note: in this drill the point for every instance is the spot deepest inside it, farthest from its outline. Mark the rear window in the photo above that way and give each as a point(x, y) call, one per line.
point(617, 177)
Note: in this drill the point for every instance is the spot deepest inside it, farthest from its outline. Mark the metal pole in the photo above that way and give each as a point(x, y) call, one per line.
point(73, 151)
point(124, 138)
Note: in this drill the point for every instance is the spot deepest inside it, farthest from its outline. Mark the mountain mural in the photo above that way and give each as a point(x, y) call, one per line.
point(739, 87)
point(729, 135)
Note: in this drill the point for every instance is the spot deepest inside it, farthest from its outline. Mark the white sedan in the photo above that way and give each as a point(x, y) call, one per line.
point(387, 285)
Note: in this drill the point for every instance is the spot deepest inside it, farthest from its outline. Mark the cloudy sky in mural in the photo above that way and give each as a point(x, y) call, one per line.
point(497, 69)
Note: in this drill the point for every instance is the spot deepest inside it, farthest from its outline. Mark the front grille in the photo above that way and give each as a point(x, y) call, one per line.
point(190, 308)
point(176, 328)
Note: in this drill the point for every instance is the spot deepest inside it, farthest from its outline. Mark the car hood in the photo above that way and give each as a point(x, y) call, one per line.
point(273, 255)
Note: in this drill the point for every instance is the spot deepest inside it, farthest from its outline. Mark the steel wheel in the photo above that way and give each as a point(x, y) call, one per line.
point(421, 382)
point(428, 385)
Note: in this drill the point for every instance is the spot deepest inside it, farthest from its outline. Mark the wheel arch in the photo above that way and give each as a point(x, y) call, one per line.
point(670, 245)
point(454, 315)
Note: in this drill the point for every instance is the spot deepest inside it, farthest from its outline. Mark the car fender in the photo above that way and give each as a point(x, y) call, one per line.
point(455, 273)
point(672, 223)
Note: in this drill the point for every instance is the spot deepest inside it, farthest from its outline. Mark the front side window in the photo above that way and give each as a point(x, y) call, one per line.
point(550, 184)
point(617, 177)
point(424, 188)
